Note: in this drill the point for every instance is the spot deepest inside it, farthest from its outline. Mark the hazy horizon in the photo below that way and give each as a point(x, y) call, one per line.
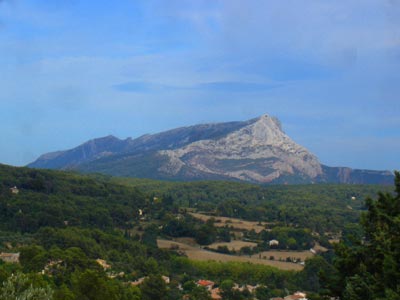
point(76, 70)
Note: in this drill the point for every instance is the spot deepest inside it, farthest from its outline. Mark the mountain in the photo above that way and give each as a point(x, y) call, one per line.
point(257, 150)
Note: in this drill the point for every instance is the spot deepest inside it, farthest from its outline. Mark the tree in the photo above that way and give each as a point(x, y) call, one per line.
point(93, 285)
point(263, 293)
point(199, 293)
point(154, 288)
point(33, 258)
point(18, 286)
point(206, 234)
point(370, 267)
point(228, 292)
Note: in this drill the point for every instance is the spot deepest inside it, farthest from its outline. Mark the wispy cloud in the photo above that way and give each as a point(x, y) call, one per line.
point(325, 67)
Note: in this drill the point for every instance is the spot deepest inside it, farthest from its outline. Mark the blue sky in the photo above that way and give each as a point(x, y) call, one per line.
point(72, 70)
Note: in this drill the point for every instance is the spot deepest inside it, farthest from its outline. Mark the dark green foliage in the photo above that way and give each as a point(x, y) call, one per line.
point(206, 234)
point(199, 293)
point(91, 285)
point(229, 292)
point(154, 288)
point(317, 275)
point(369, 268)
point(149, 237)
point(63, 199)
point(320, 208)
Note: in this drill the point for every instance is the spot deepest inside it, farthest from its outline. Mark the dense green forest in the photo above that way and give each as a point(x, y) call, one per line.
point(321, 208)
point(61, 223)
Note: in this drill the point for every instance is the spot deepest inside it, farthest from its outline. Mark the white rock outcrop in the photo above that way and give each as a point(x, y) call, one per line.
point(259, 152)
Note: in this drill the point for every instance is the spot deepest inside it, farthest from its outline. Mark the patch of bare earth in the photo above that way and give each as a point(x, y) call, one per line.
point(233, 222)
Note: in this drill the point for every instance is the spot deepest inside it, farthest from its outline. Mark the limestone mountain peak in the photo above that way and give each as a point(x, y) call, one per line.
point(257, 150)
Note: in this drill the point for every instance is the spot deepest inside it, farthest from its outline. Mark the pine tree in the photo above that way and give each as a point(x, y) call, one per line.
point(370, 268)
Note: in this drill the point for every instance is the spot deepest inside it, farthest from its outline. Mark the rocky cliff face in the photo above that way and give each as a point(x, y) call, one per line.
point(259, 152)
point(256, 150)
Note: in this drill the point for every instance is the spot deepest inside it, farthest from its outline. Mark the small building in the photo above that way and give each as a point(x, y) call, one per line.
point(300, 294)
point(206, 283)
point(103, 263)
point(166, 279)
point(14, 190)
point(138, 282)
point(215, 294)
point(296, 296)
point(9, 257)
point(273, 243)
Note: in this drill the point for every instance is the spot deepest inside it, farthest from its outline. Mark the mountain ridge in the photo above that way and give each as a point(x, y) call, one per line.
point(257, 150)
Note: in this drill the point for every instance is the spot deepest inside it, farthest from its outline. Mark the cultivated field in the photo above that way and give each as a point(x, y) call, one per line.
point(233, 245)
point(196, 253)
point(233, 222)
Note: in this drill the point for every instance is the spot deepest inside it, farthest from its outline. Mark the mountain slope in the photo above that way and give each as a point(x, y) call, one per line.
point(256, 150)
point(110, 145)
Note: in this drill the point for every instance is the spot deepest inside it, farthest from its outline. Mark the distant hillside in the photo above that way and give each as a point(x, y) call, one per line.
point(256, 151)
point(58, 198)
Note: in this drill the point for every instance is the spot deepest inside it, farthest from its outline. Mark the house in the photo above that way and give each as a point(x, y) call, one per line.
point(115, 275)
point(140, 280)
point(103, 263)
point(9, 257)
point(273, 243)
point(14, 190)
point(166, 279)
point(296, 296)
point(300, 294)
point(50, 267)
point(215, 294)
point(250, 288)
point(206, 283)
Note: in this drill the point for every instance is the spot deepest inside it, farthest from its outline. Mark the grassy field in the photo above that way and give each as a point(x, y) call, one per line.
point(197, 253)
point(232, 222)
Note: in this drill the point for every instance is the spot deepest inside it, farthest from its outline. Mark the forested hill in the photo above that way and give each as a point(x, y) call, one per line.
point(55, 198)
point(319, 207)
